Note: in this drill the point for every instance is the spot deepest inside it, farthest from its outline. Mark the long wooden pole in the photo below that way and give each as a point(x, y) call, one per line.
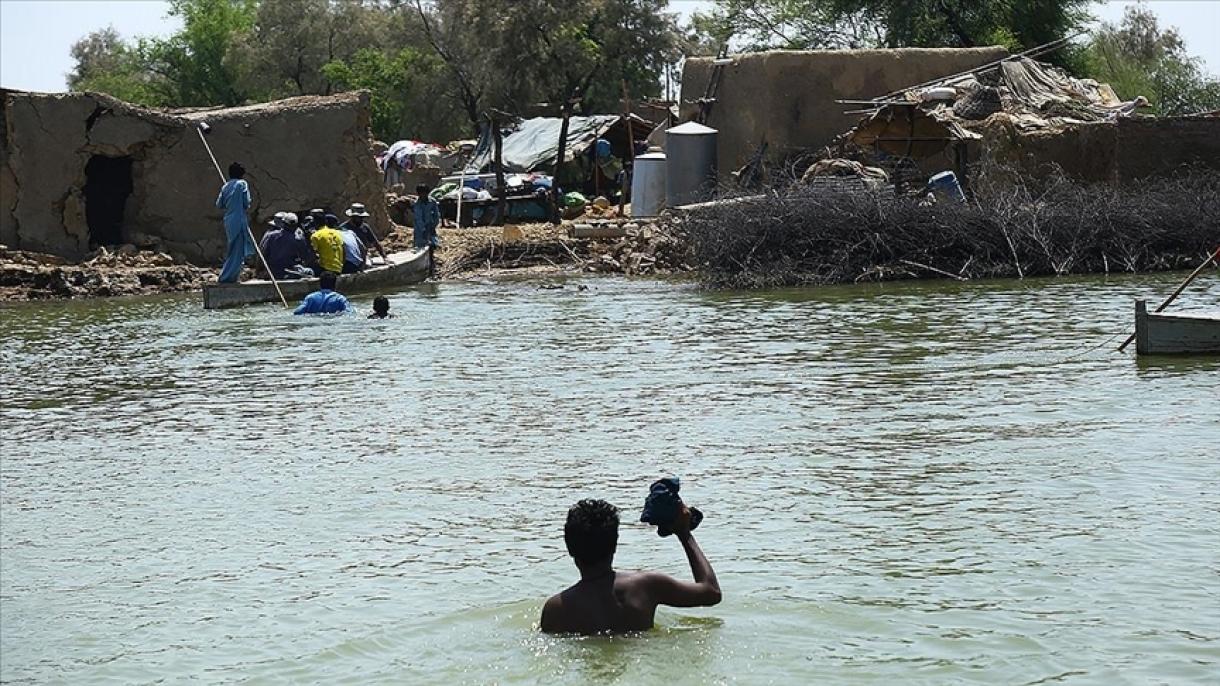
point(626, 185)
point(249, 231)
point(1214, 256)
point(556, 200)
point(501, 187)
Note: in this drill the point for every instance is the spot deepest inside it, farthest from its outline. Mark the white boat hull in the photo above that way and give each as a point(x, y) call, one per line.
point(403, 269)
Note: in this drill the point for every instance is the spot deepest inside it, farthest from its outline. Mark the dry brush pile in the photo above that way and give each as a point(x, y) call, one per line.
point(836, 234)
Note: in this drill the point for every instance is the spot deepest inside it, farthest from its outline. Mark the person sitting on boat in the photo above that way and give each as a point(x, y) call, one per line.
point(427, 218)
point(327, 242)
point(234, 199)
point(356, 224)
point(312, 222)
point(325, 300)
point(355, 255)
point(607, 601)
point(381, 308)
point(284, 247)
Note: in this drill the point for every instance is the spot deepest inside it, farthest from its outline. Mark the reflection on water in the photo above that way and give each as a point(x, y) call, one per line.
point(927, 483)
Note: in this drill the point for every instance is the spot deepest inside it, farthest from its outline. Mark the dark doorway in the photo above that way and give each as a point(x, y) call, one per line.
point(107, 185)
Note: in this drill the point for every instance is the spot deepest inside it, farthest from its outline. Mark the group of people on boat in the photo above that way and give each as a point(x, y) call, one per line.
point(296, 248)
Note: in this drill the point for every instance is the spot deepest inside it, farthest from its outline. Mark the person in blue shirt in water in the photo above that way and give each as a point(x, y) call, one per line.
point(325, 300)
point(234, 199)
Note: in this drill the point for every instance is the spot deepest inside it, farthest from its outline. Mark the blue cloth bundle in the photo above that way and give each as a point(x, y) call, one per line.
point(663, 504)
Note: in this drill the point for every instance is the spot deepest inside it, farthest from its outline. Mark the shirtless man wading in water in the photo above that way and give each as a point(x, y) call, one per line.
point(606, 601)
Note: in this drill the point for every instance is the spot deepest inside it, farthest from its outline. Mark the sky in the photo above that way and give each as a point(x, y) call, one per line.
point(36, 35)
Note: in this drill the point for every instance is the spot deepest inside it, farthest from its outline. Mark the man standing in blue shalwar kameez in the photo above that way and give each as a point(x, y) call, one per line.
point(427, 219)
point(234, 199)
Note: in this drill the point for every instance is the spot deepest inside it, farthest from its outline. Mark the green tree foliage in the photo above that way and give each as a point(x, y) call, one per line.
point(387, 77)
point(807, 24)
point(513, 54)
point(1138, 57)
point(196, 63)
point(107, 64)
point(435, 69)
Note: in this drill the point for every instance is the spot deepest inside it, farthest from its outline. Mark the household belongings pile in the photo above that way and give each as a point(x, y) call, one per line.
point(1021, 93)
point(405, 156)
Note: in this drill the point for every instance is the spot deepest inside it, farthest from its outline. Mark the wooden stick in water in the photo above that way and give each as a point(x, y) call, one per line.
point(1214, 256)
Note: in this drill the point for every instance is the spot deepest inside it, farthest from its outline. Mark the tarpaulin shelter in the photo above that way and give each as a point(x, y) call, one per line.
point(534, 146)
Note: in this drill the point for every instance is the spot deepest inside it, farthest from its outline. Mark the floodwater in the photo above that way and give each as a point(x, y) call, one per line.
point(919, 483)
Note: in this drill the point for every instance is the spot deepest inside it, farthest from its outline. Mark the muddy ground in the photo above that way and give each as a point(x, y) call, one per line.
point(104, 272)
point(477, 252)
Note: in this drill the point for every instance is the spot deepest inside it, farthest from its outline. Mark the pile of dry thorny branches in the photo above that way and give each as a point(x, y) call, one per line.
point(846, 233)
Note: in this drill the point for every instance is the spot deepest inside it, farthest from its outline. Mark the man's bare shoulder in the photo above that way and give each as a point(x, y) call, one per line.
point(642, 578)
point(552, 614)
point(555, 611)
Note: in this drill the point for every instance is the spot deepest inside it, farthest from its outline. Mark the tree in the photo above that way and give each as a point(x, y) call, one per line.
point(403, 100)
point(808, 24)
point(435, 69)
point(105, 63)
point(512, 54)
point(196, 62)
point(291, 40)
point(1138, 57)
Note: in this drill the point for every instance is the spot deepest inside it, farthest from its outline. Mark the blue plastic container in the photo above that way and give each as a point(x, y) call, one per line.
point(945, 185)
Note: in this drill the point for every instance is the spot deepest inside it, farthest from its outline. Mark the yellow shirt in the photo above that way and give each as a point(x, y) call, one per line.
point(328, 243)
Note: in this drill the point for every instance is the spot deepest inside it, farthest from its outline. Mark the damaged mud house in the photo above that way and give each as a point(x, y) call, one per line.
point(935, 109)
point(80, 170)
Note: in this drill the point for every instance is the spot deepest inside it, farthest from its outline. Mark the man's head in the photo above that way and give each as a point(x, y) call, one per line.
point(318, 214)
point(591, 532)
point(290, 220)
point(327, 281)
point(236, 171)
point(330, 220)
point(357, 213)
point(381, 305)
point(422, 191)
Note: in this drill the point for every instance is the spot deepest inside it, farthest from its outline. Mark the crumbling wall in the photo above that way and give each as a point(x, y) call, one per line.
point(8, 182)
point(1084, 152)
point(1148, 147)
point(787, 98)
point(299, 153)
point(1129, 149)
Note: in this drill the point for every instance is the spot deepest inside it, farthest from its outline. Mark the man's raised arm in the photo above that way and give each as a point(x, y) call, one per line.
point(704, 591)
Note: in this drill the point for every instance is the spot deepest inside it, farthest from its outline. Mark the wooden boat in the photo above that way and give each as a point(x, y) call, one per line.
point(401, 269)
point(1162, 333)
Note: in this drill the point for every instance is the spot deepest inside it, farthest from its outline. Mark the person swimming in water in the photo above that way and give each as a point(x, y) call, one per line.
point(381, 308)
point(608, 601)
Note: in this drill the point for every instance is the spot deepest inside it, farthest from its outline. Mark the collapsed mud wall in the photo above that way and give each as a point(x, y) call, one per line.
point(787, 98)
point(1147, 147)
point(60, 154)
point(1129, 149)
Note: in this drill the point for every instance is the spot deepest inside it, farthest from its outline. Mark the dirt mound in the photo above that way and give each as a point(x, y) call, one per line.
point(28, 275)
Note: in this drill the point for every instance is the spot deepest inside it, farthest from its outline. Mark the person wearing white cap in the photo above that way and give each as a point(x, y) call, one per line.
point(356, 224)
point(284, 246)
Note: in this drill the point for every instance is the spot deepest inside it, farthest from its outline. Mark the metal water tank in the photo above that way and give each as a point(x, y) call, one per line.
point(690, 164)
point(648, 185)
